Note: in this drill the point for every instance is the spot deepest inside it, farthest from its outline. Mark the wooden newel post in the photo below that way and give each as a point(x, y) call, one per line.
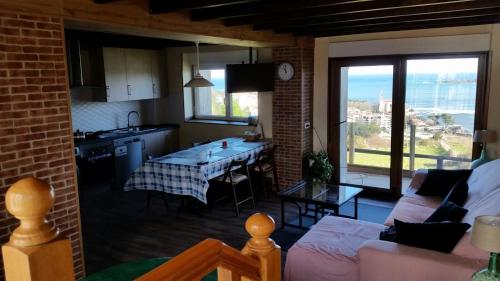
point(260, 226)
point(34, 253)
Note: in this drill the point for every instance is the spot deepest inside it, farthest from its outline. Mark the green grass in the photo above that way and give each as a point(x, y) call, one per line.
point(459, 147)
point(375, 160)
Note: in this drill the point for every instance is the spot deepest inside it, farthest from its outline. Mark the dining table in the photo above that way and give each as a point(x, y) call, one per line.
point(187, 172)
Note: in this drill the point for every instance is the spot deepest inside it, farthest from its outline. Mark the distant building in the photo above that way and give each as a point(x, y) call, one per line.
point(384, 105)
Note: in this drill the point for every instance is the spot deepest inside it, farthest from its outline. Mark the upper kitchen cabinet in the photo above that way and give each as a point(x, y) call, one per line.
point(139, 74)
point(133, 74)
point(157, 68)
point(116, 74)
point(115, 69)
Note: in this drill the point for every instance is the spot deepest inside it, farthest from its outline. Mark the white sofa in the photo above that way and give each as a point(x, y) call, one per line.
point(349, 250)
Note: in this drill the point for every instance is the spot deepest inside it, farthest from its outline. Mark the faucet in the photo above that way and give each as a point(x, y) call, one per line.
point(128, 119)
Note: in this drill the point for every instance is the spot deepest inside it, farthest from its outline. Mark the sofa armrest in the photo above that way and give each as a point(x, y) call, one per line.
point(417, 179)
point(387, 261)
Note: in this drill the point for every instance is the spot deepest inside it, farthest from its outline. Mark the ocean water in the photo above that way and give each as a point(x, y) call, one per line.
point(426, 93)
point(219, 84)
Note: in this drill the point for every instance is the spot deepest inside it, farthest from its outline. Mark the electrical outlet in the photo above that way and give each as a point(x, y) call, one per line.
point(307, 125)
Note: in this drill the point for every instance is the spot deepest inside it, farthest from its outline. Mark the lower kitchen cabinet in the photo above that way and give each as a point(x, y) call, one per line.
point(161, 142)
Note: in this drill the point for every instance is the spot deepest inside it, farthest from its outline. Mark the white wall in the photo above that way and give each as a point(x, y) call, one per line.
point(322, 52)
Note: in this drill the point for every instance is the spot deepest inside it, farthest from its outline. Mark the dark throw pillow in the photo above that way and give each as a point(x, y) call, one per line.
point(389, 234)
point(440, 182)
point(458, 194)
point(447, 211)
point(437, 236)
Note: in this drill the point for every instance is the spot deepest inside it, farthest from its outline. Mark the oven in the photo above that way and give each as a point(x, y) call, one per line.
point(95, 161)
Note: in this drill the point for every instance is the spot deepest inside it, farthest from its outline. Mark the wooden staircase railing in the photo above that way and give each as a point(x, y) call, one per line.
point(36, 253)
point(260, 259)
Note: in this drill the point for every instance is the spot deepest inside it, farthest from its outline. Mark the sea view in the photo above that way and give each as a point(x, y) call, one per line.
point(426, 93)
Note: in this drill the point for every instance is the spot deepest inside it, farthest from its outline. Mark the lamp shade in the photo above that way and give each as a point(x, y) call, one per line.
point(198, 82)
point(485, 136)
point(486, 233)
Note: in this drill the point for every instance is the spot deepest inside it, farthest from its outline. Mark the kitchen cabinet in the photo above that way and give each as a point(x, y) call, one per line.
point(161, 142)
point(139, 74)
point(114, 72)
point(157, 68)
point(133, 74)
point(117, 74)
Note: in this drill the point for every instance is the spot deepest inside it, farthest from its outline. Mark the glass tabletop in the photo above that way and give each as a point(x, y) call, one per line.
point(321, 192)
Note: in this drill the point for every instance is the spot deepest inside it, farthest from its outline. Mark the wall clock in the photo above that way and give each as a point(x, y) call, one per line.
point(285, 71)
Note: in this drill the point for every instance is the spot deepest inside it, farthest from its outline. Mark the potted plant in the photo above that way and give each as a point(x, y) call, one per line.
point(319, 167)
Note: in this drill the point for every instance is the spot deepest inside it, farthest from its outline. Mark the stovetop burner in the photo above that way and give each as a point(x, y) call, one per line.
point(78, 135)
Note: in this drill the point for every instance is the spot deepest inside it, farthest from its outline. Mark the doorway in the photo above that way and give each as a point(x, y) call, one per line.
point(392, 115)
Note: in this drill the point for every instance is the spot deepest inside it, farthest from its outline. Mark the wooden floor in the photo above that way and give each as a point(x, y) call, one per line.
point(117, 227)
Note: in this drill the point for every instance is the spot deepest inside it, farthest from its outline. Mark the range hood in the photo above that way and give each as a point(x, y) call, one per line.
point(85, 64)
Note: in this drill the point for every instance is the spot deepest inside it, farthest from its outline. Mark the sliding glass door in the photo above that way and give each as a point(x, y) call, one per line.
point(363, 140)
point(440, 112)
point(367, 132)
point(389, 116)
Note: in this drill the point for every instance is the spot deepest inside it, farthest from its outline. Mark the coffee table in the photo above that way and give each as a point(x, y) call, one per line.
point(325, 199)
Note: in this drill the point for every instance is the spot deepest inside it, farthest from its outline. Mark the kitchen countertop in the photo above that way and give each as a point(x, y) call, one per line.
point(145, 129)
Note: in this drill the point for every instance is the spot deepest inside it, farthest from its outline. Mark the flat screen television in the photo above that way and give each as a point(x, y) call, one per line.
point(250, 77)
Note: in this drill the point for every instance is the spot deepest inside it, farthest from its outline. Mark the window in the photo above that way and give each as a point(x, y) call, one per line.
point(215, 103)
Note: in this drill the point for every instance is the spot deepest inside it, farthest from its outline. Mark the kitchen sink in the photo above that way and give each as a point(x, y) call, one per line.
point(125, 131)
point(144, 129)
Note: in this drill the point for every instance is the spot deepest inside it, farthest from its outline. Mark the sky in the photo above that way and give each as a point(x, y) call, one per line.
point(422, 66)
point(217, 73)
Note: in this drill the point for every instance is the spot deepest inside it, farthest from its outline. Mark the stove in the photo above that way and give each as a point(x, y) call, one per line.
point(79, 135)
point(95, 160)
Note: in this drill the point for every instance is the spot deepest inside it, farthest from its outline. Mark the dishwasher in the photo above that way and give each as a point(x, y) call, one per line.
point(129, 156)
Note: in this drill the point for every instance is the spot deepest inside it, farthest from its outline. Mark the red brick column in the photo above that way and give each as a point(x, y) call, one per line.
point(35, 120)
point(292, 107)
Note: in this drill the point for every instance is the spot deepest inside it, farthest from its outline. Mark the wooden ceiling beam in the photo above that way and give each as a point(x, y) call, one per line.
point(132, 17)
point(167, 6)
point(474, 20)
point(104, 1)
point(290, 25)
point(264, 7)
point(422, 18)
point(378, 5)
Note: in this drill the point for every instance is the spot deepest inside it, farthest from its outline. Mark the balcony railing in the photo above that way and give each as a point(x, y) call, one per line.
point(439, 158)
point(411, 155)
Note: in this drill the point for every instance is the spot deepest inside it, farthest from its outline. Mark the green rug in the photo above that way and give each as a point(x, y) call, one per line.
point(131, 270)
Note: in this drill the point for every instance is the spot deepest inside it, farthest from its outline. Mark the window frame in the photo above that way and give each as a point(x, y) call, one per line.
point(399, 95)
point(227, 102)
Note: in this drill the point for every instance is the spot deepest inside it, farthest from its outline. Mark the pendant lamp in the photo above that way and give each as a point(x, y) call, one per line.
point(198, 81)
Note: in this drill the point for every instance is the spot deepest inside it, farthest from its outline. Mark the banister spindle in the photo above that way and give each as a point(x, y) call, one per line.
point(34, 252)
point(260, 227)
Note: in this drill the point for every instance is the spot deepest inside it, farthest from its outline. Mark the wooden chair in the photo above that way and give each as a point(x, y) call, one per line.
point(163, 197)
point(266, 166)
point(234, 179)
point(194, 144)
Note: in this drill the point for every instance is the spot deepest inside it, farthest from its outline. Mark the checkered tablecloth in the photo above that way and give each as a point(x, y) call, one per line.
point(181, 173)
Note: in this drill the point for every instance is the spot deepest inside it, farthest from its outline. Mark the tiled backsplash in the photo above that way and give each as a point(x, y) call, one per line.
point(89, 115)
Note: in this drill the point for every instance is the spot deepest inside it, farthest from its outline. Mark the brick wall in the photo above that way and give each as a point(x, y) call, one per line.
point(35, 120)
point(292, 105)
